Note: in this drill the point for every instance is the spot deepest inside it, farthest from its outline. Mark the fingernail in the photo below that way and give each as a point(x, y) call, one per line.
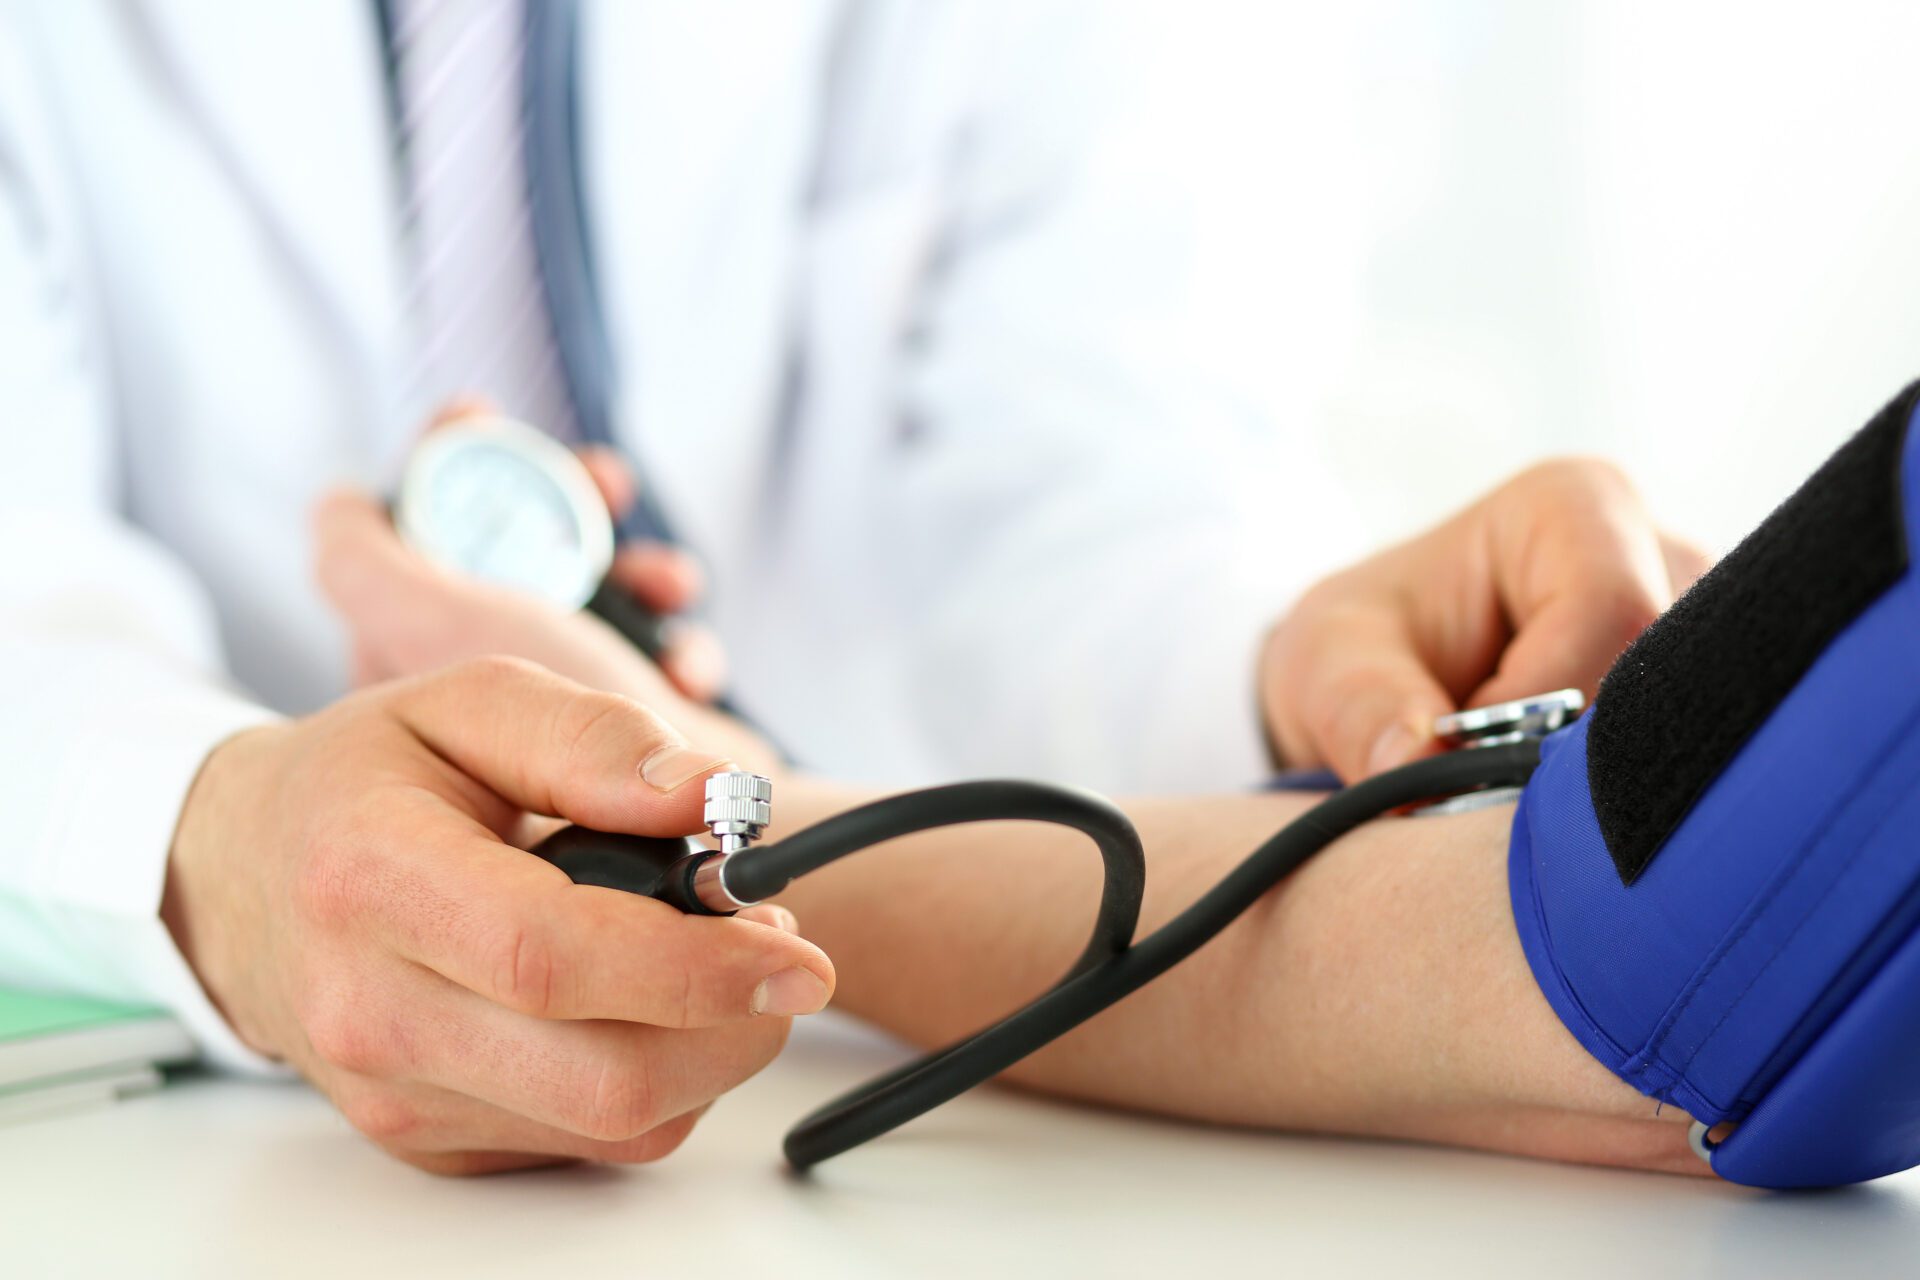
point(774, 916)
point(1393, 747)
point(790, 992)
point(670, 766)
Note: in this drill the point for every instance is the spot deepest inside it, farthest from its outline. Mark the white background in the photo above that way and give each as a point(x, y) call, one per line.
point(1449, 236)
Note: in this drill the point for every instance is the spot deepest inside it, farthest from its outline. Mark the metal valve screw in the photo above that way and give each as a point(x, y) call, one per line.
point(739, 807)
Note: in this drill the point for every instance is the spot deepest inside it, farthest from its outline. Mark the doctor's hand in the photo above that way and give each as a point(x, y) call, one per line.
point(407, 615)
point(665, 579)
point(349, 891)
point(662, 577)
point(1537, 586)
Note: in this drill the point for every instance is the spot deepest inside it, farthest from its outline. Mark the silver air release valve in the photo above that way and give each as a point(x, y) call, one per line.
point(739, 807)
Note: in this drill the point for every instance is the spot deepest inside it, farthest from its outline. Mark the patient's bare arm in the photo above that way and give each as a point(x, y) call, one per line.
point(1379, 991)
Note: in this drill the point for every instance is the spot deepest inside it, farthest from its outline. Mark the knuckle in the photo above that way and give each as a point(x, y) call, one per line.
point(421, 1160)
point(693, 999)
point(1622, 613)
point(579, 720)
point(336, 873)
point(1349, 710)
point(1688, 559)
point(386, 1118)
point(461, 1164)
point(1580, 473)
point(471, 1164)
point(1334, 717)
point(344, 1038)
point(1322, 603)
point(525, 971)
point(1326, 722)
point(657, 1143)
point(325, 892)
point(620, 1105)
point(1312, 637)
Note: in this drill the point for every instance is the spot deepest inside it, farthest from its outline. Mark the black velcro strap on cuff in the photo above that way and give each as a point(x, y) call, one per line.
point(1702, 679)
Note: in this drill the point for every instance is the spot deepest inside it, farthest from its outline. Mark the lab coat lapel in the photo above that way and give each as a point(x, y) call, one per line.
point(294, 93)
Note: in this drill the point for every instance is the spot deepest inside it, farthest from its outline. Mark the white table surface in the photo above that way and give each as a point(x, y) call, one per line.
point(225, 1178)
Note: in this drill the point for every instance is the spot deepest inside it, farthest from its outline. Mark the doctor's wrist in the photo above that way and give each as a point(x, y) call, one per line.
point(228, 784)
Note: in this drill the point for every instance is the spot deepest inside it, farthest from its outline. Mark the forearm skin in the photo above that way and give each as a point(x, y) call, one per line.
point(1380, 991)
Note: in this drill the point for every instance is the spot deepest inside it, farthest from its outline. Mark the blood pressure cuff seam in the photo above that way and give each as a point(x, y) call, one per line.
point(1682, 699)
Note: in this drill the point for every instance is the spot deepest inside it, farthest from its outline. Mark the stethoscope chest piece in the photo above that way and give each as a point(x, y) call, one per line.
point(1497, 725)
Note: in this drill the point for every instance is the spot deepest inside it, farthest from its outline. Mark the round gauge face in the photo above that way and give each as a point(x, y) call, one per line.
point(499, 501)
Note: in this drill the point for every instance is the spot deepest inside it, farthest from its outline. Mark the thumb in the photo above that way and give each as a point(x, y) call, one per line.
point(549, 746)
point(1362, 700)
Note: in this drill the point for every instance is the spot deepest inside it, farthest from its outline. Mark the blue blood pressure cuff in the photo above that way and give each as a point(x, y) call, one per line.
point(1715, 873)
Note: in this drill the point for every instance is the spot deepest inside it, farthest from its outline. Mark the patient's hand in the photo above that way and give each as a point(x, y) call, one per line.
point(1537, 586)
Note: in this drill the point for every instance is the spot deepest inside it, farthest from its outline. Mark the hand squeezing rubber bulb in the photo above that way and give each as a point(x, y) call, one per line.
point(674, 869)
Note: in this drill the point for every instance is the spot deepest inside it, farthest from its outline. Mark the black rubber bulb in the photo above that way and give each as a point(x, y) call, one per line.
point(659, 867)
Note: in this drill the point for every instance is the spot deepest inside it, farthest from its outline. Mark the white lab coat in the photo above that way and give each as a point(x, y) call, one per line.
point(904, 363)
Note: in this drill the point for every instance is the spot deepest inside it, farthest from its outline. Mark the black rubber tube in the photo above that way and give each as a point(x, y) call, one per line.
point(757, 874)
point(1097, 981)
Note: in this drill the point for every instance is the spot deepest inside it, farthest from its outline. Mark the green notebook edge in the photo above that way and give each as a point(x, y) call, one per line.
point(25, 1015)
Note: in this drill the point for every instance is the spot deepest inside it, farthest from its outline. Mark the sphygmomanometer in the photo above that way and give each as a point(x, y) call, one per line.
point(1715, 872)
point(507, 503)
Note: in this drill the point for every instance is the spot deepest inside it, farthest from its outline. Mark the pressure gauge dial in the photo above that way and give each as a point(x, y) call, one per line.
point(502, 502)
